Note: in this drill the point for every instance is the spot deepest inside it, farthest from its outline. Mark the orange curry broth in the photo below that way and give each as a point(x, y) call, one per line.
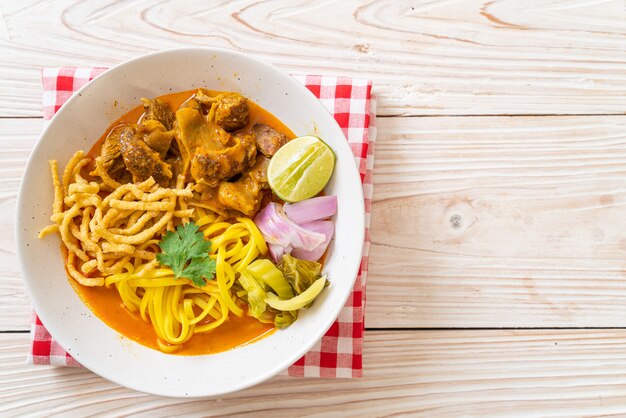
point(106, 302)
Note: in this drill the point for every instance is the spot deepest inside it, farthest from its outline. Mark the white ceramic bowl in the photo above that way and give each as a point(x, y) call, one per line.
point(79, 123)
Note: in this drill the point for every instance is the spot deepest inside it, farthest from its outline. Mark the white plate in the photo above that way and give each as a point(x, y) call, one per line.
point(79, 123)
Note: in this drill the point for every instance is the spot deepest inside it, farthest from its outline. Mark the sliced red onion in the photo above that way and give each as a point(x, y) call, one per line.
point(280, 230)
point(324, 227)
point(312, 209)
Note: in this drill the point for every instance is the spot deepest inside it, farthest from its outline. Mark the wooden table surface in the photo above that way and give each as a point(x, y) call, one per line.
point(498, 266)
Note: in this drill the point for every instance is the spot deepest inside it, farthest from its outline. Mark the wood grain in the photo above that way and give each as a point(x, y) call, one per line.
point(17, 139)
point(439, 57)
point(477, 222)
point(430, 373)
point(499, 222)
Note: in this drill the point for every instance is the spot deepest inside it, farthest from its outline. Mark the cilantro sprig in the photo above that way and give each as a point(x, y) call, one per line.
point(186, 252)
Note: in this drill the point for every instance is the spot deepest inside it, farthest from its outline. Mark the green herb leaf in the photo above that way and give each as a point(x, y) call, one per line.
point(186, 252)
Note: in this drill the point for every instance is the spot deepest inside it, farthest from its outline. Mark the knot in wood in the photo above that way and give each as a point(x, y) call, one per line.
point(456, 221)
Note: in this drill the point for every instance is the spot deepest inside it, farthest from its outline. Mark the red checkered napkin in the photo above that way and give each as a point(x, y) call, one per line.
point(340, 352)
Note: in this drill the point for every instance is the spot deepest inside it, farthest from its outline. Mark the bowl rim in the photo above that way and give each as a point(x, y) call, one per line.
point(22, 200)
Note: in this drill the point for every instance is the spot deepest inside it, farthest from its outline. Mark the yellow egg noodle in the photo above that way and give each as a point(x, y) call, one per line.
point(111, 241)
point(169, 303)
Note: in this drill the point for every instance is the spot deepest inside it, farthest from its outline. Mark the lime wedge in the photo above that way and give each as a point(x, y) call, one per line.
point(301, 168)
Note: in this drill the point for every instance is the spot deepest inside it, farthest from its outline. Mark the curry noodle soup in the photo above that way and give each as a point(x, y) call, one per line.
point(171, 234)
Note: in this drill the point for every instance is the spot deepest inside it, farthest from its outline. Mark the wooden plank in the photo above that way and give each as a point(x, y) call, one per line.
point(431, 373)
point(17, 139)
point(499, 222)
point(477, 222)
point(438, 57)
